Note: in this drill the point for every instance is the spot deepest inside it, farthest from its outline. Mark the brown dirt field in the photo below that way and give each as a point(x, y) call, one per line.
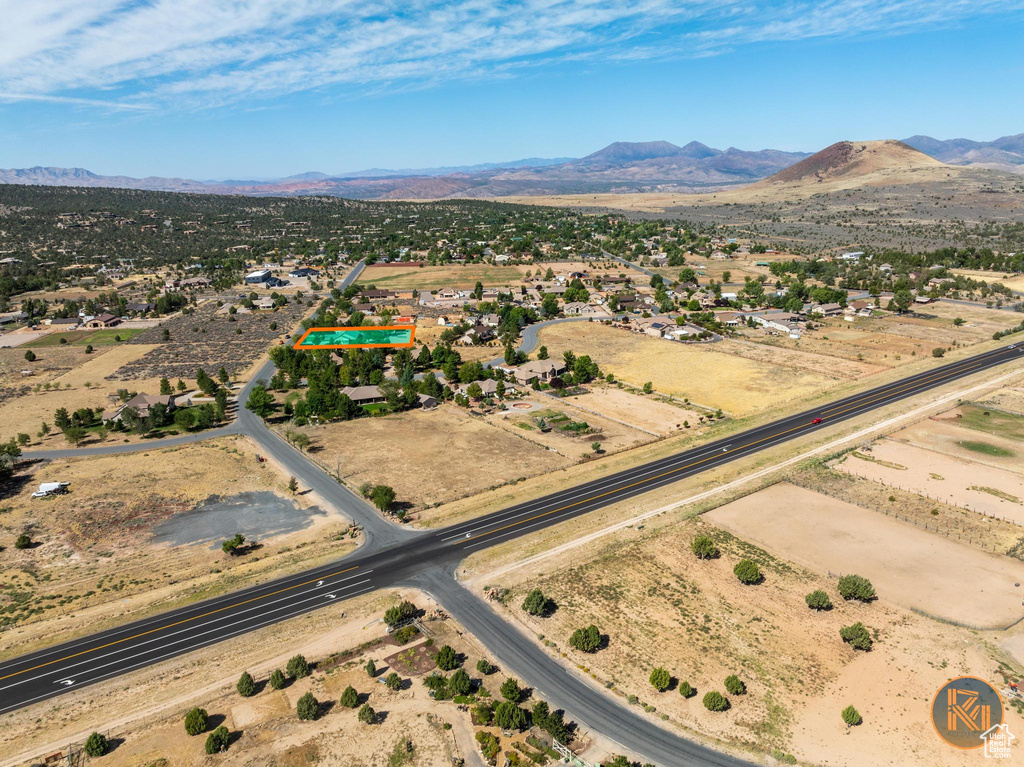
point(63, 367)
point(917, 569)
point(951, 480)
point(429, 278)
point(646, 412)
point(428, 456)
point(712, 375)
point(660, 606)
point(95, 562)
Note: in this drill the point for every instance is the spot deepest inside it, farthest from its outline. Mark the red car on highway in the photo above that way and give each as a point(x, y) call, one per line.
point(816, 420)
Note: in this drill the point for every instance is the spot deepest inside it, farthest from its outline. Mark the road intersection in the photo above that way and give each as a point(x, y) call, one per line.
point(397, 556)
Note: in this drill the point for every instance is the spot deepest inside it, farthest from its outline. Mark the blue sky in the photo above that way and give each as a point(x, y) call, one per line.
point(257, 88)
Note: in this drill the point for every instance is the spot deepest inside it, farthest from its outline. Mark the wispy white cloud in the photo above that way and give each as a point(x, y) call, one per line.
point(74, 100)
point(198, 53)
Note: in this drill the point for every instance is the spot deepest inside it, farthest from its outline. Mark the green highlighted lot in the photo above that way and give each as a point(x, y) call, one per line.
point(355, 337)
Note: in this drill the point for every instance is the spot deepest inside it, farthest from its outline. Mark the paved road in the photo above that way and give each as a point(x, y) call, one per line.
point(402, 557)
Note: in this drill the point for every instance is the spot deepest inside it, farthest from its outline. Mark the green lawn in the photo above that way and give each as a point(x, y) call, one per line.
point(993, 422)
point(85, 337)
point(987, 448)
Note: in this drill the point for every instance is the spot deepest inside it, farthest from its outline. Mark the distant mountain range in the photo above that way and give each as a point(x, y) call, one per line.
point(1006, 153)
point(621, 167)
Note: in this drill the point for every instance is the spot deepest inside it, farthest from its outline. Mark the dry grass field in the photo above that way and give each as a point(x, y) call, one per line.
point(712, 375)
point(1010, 280)
point(95, 555)
point(67, 369)
point(429, 456)
point(908, 565)
point(871, 344)
point(427, 278)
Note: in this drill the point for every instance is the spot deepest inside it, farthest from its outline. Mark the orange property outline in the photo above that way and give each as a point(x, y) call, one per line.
point(410, 328)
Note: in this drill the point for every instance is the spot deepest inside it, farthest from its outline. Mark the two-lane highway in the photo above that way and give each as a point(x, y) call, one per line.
point(75, 664)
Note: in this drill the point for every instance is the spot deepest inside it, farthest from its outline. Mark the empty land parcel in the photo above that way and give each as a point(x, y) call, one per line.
point(712, 375)
point(428, 278)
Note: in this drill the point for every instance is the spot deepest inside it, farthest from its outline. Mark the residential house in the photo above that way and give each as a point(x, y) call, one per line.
point(263, 303)
point(479, 334)
point(143, 403)
point(105, 320)
point(363, 395)
point(9, 317)
point(579, 309)
point(538, 370)
point(827, 310)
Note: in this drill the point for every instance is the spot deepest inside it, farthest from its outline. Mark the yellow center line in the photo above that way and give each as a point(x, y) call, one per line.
point(178, 623)
point(891, 391)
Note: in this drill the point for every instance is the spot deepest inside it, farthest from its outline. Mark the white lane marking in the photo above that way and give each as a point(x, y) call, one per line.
point(147, 623)
point(176, 633)
point(65, 682)
point(174, 654)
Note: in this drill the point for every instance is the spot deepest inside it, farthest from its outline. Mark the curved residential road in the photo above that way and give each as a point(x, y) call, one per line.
point(426, 557)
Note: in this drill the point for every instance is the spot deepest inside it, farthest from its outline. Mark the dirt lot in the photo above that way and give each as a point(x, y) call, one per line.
point(558, 414)
point(712, 375)
point(429, 456)
point(645, 412)
point(429, 278)
point(989, 491)
point(1010, 399)
point(908, 565)
point(661, 606)
point(98, 556)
